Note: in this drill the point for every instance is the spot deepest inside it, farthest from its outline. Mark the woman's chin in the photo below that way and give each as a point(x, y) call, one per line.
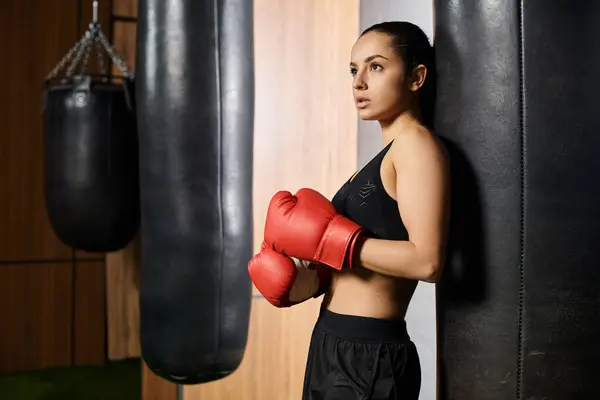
point(366, 115)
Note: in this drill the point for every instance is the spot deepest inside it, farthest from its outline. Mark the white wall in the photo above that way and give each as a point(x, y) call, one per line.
point(421, 314)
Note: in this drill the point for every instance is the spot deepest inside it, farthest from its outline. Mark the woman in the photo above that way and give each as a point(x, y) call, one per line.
point(382, 233)
point(360, 348)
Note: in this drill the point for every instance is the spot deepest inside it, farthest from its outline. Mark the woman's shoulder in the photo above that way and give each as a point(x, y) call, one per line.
point(418, 141)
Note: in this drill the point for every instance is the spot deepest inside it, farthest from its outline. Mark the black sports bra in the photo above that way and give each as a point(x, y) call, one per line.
point(363, 199)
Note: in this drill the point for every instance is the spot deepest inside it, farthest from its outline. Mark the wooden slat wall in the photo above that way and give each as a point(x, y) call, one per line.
point(305, 135)
point(89, 297)
point(123, 315)
point(35, 316)
point(123, 266)
point(32, 40)
point(52, 299)
point(157, 388)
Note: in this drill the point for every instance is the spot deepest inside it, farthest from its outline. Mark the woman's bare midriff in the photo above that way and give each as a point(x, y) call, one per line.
point(364, 293)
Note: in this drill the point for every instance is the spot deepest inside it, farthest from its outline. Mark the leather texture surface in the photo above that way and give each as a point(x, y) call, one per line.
point(195, 107)
point(561, 353)
point(91, 164)
point(517, 305)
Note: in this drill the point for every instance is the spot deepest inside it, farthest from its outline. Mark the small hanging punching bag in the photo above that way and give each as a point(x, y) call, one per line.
point(90, 150)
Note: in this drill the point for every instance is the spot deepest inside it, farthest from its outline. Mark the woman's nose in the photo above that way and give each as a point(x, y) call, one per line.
point(359, 84)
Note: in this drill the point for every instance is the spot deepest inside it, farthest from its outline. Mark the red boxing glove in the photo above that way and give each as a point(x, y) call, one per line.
point(307, 226)
point(284, 281)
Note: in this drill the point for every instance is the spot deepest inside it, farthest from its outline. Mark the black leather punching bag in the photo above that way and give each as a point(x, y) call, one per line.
point(91, 163)
point(517, 101)
point(195, 94)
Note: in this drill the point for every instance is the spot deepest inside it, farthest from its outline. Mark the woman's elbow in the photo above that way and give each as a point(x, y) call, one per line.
point(432, 271)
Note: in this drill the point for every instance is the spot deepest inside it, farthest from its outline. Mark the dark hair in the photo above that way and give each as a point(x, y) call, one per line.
point(413, 47)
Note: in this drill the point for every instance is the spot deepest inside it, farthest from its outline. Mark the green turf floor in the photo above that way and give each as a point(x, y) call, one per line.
point(113, 381)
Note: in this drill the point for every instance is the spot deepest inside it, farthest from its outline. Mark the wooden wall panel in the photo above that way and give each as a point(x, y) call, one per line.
point(123, 316)
point(35, 316)
point(305, 136)
point(157, 388)
point(125, 8)
point(89, 343)
point(33, 38)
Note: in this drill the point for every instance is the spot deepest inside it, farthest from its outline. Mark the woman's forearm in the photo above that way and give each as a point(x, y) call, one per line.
point(398, 258)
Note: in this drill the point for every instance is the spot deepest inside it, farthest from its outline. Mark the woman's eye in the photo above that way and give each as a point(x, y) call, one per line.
point(376, 67)
point(352, 71)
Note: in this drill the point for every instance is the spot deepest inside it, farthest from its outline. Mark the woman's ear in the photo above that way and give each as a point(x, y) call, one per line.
point(419, 75)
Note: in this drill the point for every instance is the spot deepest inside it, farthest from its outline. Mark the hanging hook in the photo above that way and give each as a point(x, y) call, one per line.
point(95, 10)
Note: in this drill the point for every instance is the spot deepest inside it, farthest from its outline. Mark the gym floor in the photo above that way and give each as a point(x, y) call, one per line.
point(113, 381)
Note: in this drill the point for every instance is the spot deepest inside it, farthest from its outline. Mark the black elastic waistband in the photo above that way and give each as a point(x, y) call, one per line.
point(353, 327)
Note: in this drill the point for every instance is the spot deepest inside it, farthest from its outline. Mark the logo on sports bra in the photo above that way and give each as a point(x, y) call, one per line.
point(364, 191)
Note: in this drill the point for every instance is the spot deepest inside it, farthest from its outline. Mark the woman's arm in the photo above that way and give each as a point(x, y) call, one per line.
point(422, 192)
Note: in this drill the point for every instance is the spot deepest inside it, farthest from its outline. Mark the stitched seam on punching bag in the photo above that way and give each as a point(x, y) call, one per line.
point(522, 128)
point(219, 170)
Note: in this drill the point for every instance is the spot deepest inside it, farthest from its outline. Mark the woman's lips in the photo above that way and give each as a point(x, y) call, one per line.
point(362, 102)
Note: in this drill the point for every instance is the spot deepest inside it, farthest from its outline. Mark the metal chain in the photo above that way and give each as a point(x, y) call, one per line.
point(115, 57)
point(79, 55)
point(100, 58)
point(67, 58)
point(86, 57)
point(84, 47)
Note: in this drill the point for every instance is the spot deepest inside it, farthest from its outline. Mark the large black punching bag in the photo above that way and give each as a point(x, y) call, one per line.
point(195, 94)
point(517, 101)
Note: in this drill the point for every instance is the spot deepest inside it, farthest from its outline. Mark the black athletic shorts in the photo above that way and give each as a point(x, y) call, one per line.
point(358, 358)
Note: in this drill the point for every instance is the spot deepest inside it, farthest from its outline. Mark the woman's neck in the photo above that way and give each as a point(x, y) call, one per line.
point(391, 129)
